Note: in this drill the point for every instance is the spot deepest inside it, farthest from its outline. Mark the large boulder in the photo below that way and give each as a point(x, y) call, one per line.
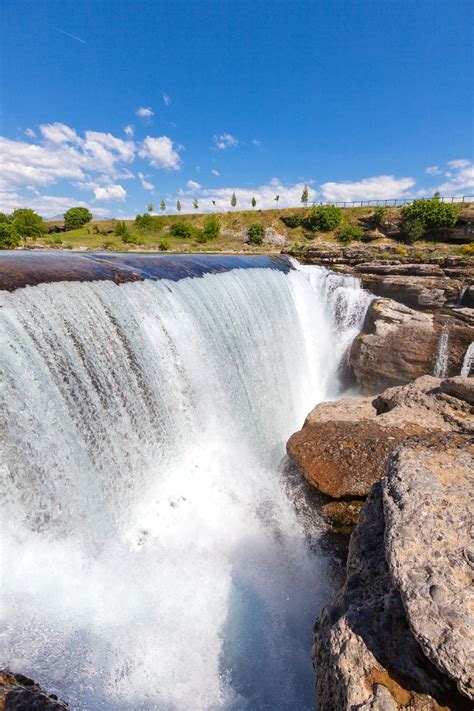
point(398, 633)
point(418, 292)
point(343, 445)
point(429, 504)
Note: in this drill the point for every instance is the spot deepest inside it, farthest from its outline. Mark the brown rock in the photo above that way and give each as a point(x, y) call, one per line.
point(419, 292)
point(396, 345)
point(343, 514)
point(459, 387)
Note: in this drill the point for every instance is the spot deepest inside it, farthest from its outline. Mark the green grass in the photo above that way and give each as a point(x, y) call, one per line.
point(232, 238)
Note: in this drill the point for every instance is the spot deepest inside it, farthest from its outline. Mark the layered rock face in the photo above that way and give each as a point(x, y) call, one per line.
point(399, 634)
point(398, 344)
point(343, 445)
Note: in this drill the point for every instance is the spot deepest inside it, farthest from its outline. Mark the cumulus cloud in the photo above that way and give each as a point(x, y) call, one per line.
point(160, 152)
point(109, 193)
point(215, 172)
point(30, 133)
point(380, 187)
point(256, 142)
point(192, 185)
point(145, 184)
point(224, 141)
point(166, 99)
point(434, 170)
point(129, 130)
point(460, 179)
point(58, 133)
point(218, 199)
point(145, 112)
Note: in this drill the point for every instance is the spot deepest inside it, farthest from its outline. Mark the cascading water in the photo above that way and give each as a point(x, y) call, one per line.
point(468, 361)
point(151, 557)
point(442, 355)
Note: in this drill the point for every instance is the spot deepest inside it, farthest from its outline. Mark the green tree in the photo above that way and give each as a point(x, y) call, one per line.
point(277, 199)
point(324, 218)
point(26, 223)
point(162, 205)
point(233, 200)
point(181, 229)
point(254, 202)
point(145, 221)
point(9, 238)
point(424, 216)
point(149, 207)
point(178, 206)
point(211, 227)
point(305, 196)
point(121, 229)
point(76, 217)
point(195, 204)
point(255, 233)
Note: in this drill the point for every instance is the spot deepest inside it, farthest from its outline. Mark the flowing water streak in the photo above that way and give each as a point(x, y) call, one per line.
point(442, 355)
point(152, 559)
point(468, 361)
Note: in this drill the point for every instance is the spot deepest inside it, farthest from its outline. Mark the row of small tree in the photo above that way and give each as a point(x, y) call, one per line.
point(233, 201)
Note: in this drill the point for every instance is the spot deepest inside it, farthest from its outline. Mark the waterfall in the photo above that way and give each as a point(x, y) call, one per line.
point(442, 355)
point(468, 361)
point(152, 559)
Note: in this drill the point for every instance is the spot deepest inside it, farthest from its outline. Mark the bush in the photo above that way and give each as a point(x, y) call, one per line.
point(255, 233)
point(324, 218)
point(9, 238)
point(349, 233)
point(379, 215)
point(200, 237)
point(53, 240)
point(144, 222)
point(181, 229)
point(27, 223)
point(121, 229)
point(130, 239)
point(211, 227)
point(291, 221)
point(108, 244)
point(423, 216)
point(76, 217)
point(163, 246)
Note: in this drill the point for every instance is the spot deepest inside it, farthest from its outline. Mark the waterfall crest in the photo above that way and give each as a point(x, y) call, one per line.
point(152, 558)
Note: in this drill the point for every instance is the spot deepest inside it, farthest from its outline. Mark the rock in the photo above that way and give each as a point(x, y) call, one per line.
point(344, 515)
point(19, 693)
point(342, 447)
point(459, 387)
point(428, 503)
point(396, 345)
point(364, 652)
point(372, 235)
point(345, 458)
point(399, 269)
point(422, 292)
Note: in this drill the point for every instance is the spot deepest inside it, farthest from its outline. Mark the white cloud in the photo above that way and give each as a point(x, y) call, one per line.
point(109, 193)
point(192, 185)
point(256, 142)
point(58, 133)
point(166, 99)
point(225, 140)
point(30, 133)
point(380, 187)
point(460, 179)
point(145, 112)
point(96, 141)
point(215, 172)
point(45, 205)
point(129, 131)
point(159, 152)
point(434, 170)
point(290, 196)
point(145, 184)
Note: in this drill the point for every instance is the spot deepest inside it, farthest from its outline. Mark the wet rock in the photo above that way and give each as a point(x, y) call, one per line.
point(428, 503)
point(343, 515)
point(423, 292)
point(397, 344)
point(460, 388)
point(19, 693)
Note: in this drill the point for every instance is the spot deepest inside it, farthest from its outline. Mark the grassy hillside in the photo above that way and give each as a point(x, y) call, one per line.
point(101, 235)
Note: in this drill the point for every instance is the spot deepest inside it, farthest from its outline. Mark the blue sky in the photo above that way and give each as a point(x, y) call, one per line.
point(116, 103)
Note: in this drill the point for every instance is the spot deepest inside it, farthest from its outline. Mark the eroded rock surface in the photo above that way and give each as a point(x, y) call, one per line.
point(429, 504)
point(399, 634)
point(343, 445)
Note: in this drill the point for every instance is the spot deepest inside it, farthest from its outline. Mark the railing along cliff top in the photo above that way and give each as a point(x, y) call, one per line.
point(393, 202)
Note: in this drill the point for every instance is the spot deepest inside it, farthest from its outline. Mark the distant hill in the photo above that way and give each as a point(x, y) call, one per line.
point(56, 218)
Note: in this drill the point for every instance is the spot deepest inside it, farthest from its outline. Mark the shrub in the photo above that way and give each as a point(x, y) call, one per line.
point(9, 238)
point(291, 221)
point(108, 244)
point(130, 239)
point(53, 240)
point(163, 246)
point(76, 217)
point(211, 227)
point(422, 216)
point(27, 223)
point(181, 229)
point(348, 233)
point(379, 215)
point(200, 237)
point(255, 233)
point(121, 229)
point(324, 218)
point(144, 222)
